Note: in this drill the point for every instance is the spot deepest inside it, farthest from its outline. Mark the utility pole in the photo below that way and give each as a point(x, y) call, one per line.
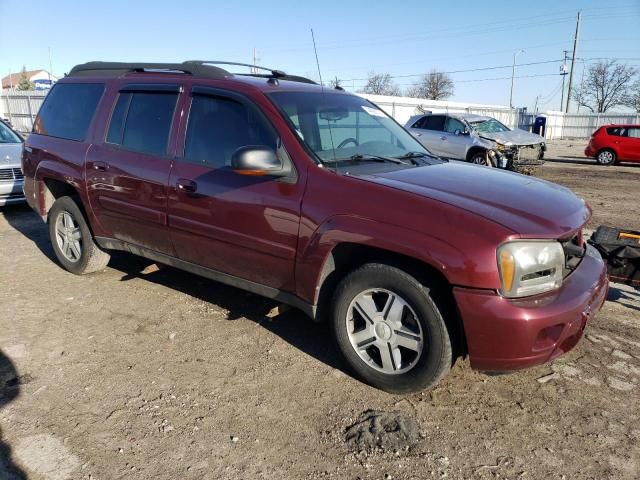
point(563, 72)
point(513, 72)
point(255, 70)
point(573, 62)
point(50, 68)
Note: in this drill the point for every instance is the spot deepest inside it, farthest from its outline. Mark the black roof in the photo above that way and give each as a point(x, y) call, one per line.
point(197, 68)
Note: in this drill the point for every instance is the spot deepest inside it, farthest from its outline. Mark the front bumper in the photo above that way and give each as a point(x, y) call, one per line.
point(11, 192)
point(508, 334)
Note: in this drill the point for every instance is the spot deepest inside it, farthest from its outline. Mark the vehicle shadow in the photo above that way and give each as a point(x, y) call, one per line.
point(26, 221)
point(9, 391)
point(293, 326)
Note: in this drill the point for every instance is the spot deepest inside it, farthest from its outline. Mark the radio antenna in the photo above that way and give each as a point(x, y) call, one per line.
point(333, 148)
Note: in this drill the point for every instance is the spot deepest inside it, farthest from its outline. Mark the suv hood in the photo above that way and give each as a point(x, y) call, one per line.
point(515, 137)
point(525, 205)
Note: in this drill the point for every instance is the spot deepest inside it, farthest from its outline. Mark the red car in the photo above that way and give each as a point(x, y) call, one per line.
point(316, 198)
point(612, 143)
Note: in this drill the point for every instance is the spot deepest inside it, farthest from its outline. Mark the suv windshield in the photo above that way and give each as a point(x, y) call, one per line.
point(7, 135)
point(338, 127)
point(490, 125)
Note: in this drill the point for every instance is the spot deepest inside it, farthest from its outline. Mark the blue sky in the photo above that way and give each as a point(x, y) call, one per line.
point(353, 37)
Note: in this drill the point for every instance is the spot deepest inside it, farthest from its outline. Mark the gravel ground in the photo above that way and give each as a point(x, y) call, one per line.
point(151, 373)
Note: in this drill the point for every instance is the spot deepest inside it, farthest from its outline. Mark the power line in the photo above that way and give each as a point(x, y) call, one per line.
point(480, 69)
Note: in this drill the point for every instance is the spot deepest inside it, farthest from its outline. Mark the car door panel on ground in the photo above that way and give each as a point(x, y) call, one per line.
point(246, 226)
point(429, 130)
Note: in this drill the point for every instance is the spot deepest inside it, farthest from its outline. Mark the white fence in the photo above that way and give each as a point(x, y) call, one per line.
point(558, 125)
point(21, 107)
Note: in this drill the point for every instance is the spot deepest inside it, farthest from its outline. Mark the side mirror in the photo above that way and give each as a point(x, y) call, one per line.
point(461, 132)
point(257, 160)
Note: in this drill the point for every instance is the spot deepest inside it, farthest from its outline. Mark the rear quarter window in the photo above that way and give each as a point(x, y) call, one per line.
point(68, 110)
point(617, 131)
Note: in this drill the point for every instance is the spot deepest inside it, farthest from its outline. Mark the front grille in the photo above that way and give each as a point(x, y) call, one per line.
point(574, 250)
point(10, 174)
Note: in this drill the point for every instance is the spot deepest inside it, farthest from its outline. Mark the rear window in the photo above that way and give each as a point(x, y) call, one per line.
point(141, 121)
point(617, 131)
point(68, 110)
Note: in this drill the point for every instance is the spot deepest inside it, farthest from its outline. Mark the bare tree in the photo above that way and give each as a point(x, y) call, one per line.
point(335, 83)
point(381, 84)
point(433, 85)
point(605, 85)
point(632, 98)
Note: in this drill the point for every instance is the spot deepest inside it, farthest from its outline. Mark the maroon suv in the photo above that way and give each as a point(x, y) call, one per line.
point(318, 199)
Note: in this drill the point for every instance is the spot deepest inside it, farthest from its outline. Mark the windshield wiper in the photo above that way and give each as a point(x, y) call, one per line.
point(374, 158)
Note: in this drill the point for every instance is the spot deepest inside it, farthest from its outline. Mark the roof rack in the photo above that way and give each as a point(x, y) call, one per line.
point(197, 68)
point(273, 73)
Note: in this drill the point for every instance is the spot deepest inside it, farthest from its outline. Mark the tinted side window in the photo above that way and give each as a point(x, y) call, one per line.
point(68, 110)
point(617, 131)
point(218, 126)
point(454, 124)
point(141, 121)
point(433, 122)
point(116, 127)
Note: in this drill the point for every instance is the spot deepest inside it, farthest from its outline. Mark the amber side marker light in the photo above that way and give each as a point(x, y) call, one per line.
point(507, 270)
point(254, 173)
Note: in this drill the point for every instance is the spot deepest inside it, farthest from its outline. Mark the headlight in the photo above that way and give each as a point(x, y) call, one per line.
point(530, 267)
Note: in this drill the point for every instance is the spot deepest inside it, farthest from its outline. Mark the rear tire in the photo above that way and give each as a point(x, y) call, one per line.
point(606, 157)
point(72, 240)
point(389, 330)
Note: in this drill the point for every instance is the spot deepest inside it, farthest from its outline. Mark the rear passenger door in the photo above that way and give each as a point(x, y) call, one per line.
point(429, 132)
point(128, 171)
point(244, 226)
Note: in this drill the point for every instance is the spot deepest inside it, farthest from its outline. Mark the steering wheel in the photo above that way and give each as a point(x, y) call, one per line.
point(348, 140)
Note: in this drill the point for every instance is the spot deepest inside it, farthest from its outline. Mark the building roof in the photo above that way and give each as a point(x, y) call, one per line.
point(14, 78)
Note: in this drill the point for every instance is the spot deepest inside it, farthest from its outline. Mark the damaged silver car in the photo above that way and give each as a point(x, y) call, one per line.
point(478, 139)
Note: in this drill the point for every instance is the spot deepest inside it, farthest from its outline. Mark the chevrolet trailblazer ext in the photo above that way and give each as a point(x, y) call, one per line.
point(318, 199)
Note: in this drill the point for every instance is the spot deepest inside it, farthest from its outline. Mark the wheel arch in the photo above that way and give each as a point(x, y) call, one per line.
point(473, 150)
point(346, 257)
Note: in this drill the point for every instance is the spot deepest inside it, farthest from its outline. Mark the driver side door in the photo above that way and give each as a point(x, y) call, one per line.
point(454, 145)
point(243, 226)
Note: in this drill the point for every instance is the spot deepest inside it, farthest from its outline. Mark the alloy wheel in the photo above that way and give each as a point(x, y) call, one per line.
point(69, 236)
point(384, 331)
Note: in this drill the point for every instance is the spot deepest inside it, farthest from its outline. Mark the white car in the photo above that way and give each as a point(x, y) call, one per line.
point(477, 139)
point(11, 179)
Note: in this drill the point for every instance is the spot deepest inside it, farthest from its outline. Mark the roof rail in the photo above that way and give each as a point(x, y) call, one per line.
point(197, 68)
point(274, 73)
point(120, 68)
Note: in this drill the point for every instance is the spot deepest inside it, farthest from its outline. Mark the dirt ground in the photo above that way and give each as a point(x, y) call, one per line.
point(147, 373)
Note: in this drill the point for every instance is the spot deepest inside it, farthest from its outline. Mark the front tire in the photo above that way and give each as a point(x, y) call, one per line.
point(606, 157)
point(389, 330)
point(480, 158)
point(72, 240)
